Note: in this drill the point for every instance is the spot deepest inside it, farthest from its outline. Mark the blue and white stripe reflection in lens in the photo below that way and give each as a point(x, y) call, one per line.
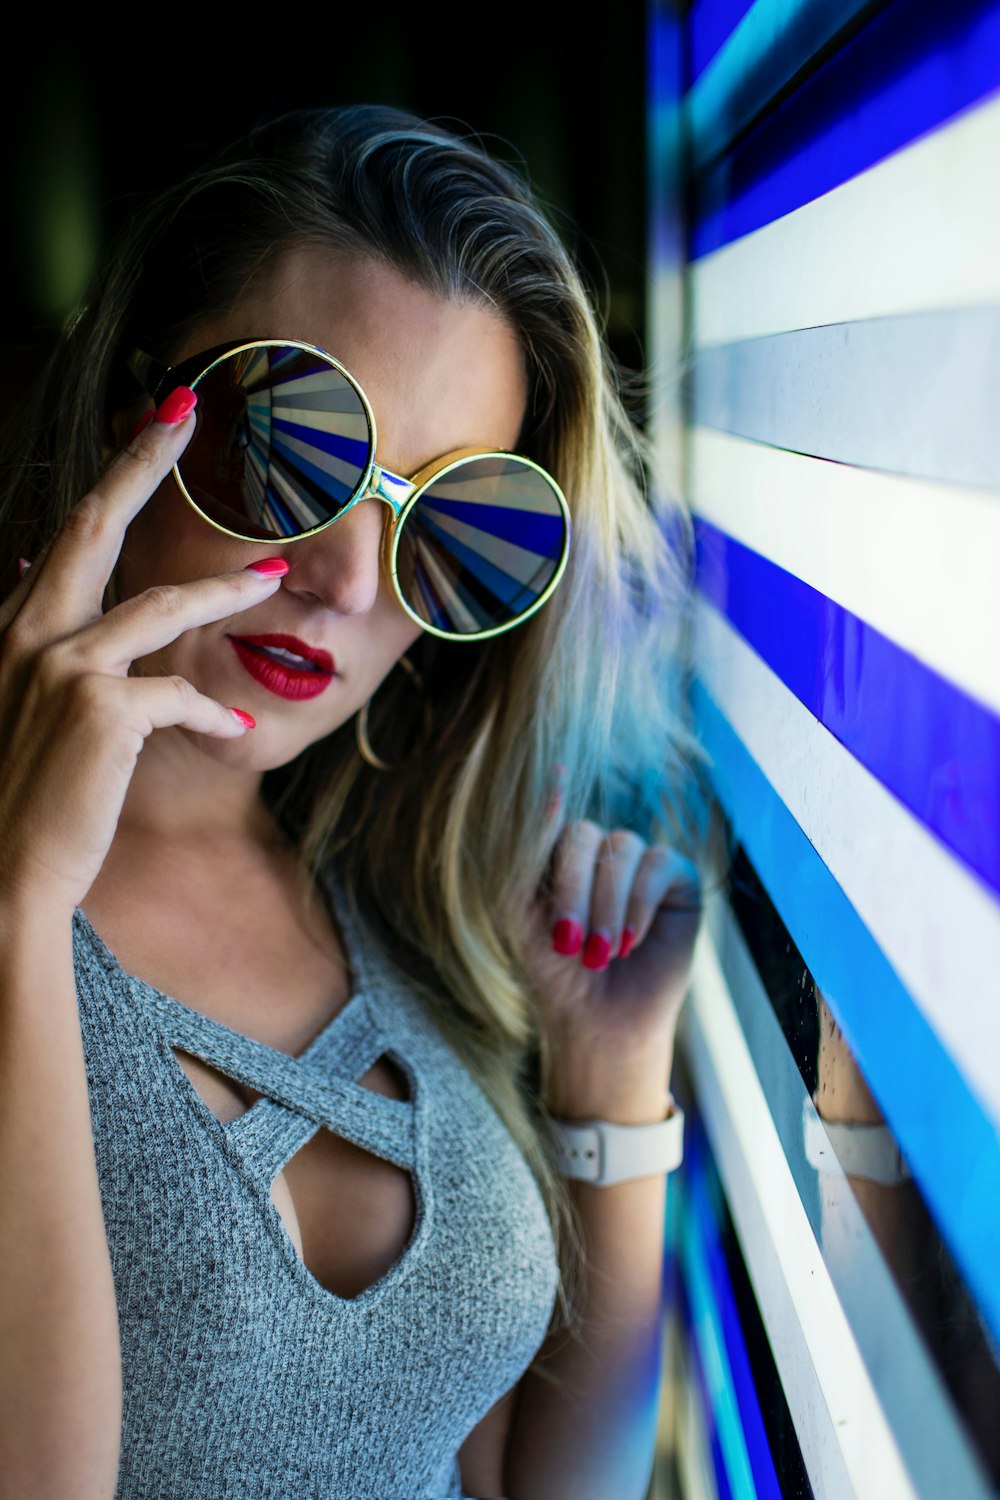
point(481, 545)
point(309, 438)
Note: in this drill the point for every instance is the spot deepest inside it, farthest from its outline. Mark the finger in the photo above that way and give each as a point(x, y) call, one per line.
point(664, 876)
point(68, 590)
point(571, 882)
point(148, 703)
point(618, 859)
point(154, 618)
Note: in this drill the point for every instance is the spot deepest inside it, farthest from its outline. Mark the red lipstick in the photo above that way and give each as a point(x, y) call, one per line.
point(263, 656)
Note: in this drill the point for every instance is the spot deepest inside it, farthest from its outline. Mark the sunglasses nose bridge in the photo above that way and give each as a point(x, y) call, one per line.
point(392, 488)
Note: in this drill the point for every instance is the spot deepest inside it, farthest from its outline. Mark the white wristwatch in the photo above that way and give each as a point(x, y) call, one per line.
point(858, 1150)
point(601, 1152)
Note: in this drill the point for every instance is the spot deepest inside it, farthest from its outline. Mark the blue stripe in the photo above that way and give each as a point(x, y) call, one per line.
point(347, 449)
point(913, 66)
point(511, 591)
point(704, 1218)
point(913, 394)
point(531, 529)
point(697, 1242)
point(862, 687)
point(710, 23)
point(951, 1146)
point(294, 464)
point(778, 41)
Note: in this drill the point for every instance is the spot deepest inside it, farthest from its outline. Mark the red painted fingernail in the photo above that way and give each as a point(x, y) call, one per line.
point(268, 567)
point(141, 425)
point(247, 720)
point(598, 950)
point(567, 936)
point(628, 938)
point(178, 405)
point(22, 567)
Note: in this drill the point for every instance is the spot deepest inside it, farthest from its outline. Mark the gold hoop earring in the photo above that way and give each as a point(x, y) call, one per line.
point(361, 722)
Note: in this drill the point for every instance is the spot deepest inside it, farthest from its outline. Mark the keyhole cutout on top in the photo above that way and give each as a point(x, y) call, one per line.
point(350, 1215)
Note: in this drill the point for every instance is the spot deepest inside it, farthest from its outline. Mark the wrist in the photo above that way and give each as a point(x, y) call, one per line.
point(587, 1085)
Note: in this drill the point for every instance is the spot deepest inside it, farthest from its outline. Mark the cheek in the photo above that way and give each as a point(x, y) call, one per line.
point(168, 542)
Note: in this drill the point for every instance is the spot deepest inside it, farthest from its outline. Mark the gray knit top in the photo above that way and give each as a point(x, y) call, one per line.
point(243, 1376)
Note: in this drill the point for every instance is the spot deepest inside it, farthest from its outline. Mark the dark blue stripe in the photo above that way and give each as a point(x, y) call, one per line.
point(704, 1216)
point(710, 23)
point(294, 463)
point(913, 394)
point(932, 746)
point(531, 529)
point(347, 449)
point(913, 66)
point(926, 1102)
point(514, 594)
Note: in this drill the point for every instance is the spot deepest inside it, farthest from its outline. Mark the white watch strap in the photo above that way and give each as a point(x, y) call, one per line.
point(857, 1150)
point(600, 1152)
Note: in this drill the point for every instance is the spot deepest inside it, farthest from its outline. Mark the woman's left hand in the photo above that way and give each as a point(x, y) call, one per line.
point(616, 1010)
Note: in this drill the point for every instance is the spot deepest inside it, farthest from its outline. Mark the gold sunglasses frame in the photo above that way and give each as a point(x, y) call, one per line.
point(398, 492)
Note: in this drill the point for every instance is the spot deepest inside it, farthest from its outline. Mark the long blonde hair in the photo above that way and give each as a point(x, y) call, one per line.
point(439, 856)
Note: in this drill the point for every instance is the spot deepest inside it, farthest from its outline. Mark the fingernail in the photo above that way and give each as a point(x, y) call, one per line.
point(268, 567)
point(247, 720)
point(22, 567)
point(567, 936)
point(598, 950)
point(141, 425)
point(178, 405)
point(628, 938)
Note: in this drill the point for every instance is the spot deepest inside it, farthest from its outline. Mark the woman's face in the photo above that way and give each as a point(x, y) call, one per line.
point(440, 375)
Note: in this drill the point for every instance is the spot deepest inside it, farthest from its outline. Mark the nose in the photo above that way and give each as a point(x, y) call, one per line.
point(341, 565)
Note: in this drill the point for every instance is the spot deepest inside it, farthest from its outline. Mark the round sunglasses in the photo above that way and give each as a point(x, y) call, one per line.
point(285, 445)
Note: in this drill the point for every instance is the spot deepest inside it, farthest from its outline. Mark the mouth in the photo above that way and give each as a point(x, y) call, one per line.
point(284, 665)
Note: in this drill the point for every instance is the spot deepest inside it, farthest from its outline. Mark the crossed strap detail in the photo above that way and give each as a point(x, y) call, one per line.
point(318, 1088)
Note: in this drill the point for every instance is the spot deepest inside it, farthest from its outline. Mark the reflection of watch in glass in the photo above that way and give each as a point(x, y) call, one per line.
point(858, 1150)
point(600, 1152)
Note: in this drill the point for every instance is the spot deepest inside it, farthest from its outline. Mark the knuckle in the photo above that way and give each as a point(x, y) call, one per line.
point(182, 686)
point(586, 832)
point(164, 598)
point(624, 841)
point(86, 521)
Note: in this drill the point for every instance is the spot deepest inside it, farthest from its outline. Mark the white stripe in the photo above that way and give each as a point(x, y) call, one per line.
point(916, 231)
point(340, 424)
point(345, 473)
point(511, 559)
point(916, 560)
point(520, 489)
point(847, 1444)
point(934, 921)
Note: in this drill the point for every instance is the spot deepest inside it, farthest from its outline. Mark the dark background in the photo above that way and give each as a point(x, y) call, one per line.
point(104, 106)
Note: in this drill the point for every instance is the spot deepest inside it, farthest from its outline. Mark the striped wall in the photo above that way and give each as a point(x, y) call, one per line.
point(825, 334)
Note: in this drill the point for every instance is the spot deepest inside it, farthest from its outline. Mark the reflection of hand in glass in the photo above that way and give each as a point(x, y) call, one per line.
point(863, 1143)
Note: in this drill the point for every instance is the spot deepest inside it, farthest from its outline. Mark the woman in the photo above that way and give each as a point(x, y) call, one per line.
point(324, 851)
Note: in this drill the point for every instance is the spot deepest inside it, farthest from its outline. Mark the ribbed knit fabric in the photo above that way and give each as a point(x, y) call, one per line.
point(244, 1378)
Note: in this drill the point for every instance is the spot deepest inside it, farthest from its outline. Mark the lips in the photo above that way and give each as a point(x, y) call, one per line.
point(321, 659)
point(282, 677)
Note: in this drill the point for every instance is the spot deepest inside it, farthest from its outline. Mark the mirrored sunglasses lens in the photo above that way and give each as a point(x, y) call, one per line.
point(481, 545)
point(282, 443)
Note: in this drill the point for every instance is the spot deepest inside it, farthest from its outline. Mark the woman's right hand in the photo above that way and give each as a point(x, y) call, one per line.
point(72, 721)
